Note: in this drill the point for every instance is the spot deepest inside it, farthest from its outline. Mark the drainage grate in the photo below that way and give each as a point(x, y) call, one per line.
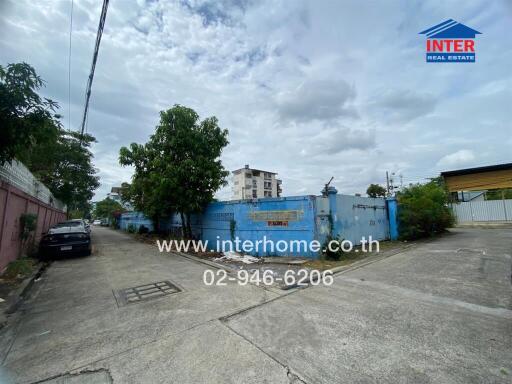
point(145, 292)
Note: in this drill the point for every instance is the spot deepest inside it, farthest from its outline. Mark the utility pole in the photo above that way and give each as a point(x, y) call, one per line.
point(93, 66)
point(387, 183)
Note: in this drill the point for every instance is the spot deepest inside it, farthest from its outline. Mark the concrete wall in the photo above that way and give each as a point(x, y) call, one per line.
point(13, 203)
point(296, 218)
point(286, 218)
point(136, 219)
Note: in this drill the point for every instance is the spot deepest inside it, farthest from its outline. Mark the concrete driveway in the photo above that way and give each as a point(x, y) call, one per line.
point(440, 312)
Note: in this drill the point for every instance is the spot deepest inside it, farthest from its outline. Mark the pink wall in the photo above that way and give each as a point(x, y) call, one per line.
point(13, 203)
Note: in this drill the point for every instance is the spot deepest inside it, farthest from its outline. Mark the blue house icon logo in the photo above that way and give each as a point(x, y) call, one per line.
point(450, 42)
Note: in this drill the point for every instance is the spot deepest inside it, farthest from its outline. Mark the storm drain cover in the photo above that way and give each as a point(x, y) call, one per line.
point(145, 292)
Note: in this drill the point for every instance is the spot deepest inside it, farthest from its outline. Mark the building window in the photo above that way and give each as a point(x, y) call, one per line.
point(254, 194)
point(254, 183)
point(267, 185)
point(248, 175)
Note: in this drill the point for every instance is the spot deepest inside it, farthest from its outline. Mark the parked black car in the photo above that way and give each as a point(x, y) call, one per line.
point(85, 223)
point(68, 237)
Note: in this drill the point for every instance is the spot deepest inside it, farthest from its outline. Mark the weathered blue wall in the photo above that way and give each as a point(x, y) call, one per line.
point(135, 218)
point(286, 218)
point(351, 217)
point(298, 218)
point(359, 217)
point(392, 206)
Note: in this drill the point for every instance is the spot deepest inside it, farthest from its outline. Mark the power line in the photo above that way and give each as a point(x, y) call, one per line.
point(69, 64)
point(101, 25)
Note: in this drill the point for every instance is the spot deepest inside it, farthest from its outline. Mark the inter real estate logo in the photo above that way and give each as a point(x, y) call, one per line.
point(450, 42)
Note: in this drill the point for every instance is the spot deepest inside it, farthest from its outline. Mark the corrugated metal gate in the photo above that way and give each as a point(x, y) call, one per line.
point(354, 217)
point(479, 211)
point(360, 217)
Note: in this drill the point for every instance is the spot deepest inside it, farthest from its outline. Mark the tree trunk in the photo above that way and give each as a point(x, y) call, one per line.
point(183, 225)
point(189, 227)
point(156, 224)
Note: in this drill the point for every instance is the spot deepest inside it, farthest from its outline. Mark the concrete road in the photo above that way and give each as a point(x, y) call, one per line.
point(440, 312)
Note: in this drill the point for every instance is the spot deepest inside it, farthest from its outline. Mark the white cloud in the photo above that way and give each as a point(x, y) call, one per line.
point(403, 105)
point(317, 100)
point(304, 88)
point(461, 158)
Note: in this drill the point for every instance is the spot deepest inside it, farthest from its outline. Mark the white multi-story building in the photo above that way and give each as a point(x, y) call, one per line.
point(115, 194)
point(251, 183)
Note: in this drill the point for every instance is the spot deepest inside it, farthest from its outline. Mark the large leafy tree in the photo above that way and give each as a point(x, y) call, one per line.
point(72, 178)
point(106, 208)
point(27, 120)
point(179, 168)
point(376, 190)
point(32, 133)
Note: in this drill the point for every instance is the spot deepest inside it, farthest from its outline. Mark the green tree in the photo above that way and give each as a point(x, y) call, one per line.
point(106, 208)
point(71, 175)
point(32, 133)
point(423, 210)
point(376, 190)
point(179, 168)
point(26, 119)
point(498, 194)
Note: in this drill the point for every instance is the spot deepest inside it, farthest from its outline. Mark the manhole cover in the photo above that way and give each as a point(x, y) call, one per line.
point(145, 292)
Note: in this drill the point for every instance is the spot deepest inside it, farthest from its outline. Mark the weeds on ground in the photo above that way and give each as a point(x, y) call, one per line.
point(19, 269)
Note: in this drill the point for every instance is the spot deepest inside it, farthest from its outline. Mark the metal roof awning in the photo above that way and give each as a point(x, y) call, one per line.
point(476, 179)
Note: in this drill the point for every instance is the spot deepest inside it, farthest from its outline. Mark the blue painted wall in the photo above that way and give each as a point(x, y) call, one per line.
point(135, 218)
point(287, 218)
point(358, 216)
point(351, 217)
point(299, 218)
point(392, 205)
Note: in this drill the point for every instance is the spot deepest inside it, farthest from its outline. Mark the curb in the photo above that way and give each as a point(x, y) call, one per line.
point(19, 295)
point(207, 262)
point(347, 268)
point(363, 263)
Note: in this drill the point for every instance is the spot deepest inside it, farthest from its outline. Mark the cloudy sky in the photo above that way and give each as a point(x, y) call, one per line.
point(308, 89)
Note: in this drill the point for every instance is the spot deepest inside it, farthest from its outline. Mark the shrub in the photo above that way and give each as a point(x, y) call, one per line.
point(28, 224)
point(132, 228)
point(423, 210)
point(331, 255)
point(143, 229)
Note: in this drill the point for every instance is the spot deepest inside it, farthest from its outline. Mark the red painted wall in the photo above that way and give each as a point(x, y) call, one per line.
point(13, 203)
